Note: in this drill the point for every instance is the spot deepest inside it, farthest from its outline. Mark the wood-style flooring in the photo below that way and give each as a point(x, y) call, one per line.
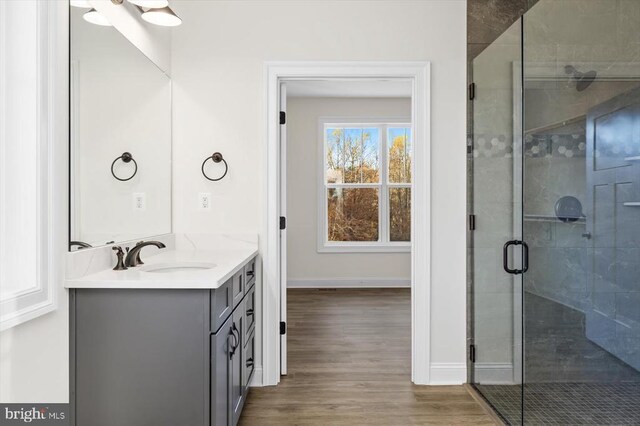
point(350, 364)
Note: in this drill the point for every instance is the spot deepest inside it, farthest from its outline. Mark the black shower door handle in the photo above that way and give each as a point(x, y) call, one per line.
point(525, 257)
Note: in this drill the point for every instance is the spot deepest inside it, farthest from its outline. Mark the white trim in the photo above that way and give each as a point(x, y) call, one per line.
point(448, 373)
point(283, 233)
point(40, 299)
point(495, 373)
point(383, 245)
point(256, 380)
point(75, 149)
point(350, 283)
point(419, 74)
point(354, 247)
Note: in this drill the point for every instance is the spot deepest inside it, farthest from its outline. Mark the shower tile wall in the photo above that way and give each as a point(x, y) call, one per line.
point(555, 162)
point(487, 19)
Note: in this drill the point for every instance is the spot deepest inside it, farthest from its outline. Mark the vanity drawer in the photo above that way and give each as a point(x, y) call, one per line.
point(250, 273)
point(248, 363)
point(250, 313)
point(221, 304)
point(237, 287)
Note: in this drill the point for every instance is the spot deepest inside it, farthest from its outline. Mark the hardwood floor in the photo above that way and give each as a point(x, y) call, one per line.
point(350, 364)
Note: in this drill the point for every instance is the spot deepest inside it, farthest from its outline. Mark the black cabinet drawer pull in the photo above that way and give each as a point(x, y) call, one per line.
point(232, 344)
point(235, 329)
point(236, 339)
point(249, 312)
point(249, 362)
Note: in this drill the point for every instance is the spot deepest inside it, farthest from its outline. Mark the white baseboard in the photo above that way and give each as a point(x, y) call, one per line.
point(494, 373)
point(256, 380)
point(448, 373)
point(349, 283)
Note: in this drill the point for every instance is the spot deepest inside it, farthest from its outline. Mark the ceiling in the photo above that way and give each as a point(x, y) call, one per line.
point(349, 89)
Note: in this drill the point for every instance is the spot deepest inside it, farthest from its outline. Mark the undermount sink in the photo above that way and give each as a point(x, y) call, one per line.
point(165, 268)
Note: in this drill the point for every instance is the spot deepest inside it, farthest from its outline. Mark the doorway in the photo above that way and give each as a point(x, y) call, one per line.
point(415, 75)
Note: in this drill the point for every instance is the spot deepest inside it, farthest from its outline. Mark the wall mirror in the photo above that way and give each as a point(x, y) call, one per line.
point(120, 147)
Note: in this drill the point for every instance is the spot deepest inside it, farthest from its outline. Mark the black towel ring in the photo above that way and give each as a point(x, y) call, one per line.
point(216, 158)
point(126, 157)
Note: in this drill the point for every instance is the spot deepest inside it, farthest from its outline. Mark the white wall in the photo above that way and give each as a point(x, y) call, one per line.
point(304, 263)
point(217, 67)
point(34, 355)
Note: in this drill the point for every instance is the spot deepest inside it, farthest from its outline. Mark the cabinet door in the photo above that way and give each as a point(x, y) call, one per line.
point(248, 361)
point(221, 375)
point(237, 388)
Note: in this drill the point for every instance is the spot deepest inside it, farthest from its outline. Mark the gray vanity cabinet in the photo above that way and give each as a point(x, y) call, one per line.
point(161, 356)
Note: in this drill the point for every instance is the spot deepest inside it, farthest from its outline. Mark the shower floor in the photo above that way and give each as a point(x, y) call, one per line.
point(569, 379)
point(567, 403)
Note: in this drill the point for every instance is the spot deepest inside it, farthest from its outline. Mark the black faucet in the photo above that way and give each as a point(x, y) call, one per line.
point(80, 244)
point(133, 256)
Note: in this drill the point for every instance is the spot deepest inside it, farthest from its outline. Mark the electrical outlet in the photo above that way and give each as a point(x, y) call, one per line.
point(204, 201)
point(139, 201)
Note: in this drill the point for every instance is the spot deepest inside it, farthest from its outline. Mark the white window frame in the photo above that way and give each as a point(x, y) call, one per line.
point(35, 298)
point(383, 245)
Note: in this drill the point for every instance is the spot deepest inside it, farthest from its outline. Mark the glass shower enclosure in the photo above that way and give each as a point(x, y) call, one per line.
point(555, 254)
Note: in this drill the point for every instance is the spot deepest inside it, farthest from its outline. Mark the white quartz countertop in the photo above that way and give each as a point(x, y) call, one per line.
point(227, 262)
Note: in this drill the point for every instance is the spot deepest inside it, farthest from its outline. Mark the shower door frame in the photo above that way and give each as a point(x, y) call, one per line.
point(517, 364)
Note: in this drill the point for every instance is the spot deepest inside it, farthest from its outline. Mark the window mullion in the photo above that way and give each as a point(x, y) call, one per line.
point(384, 193)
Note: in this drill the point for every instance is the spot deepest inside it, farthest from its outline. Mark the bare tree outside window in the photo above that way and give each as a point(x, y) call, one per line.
point(354, 184)
point(399, 143)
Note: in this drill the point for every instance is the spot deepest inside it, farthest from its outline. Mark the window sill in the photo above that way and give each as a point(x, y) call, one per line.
point(12, 319)
point(369, 248)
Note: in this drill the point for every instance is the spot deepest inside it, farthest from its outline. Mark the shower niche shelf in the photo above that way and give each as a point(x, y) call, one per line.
point(549, 219)
point(632, 204)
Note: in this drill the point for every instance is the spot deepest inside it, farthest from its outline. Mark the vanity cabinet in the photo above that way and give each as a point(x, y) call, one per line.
point(157, 356)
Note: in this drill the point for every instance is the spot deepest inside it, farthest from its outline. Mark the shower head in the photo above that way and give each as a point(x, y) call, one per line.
point(582, 79)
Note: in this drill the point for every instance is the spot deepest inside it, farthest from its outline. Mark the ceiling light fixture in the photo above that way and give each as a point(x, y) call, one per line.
point(164, 17)
point(80, 3)
point(97, 18)
point(155, 12)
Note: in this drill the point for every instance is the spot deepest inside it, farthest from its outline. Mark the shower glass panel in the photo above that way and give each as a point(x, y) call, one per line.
point(496, 329)
point(555, 331)
point(556, 163)
point(581, 220)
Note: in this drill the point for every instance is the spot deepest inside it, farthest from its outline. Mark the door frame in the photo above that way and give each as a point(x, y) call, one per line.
point(419, 74)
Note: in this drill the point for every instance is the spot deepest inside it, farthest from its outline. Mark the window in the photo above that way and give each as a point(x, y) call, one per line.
point(365, 194)
point(25, 160)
